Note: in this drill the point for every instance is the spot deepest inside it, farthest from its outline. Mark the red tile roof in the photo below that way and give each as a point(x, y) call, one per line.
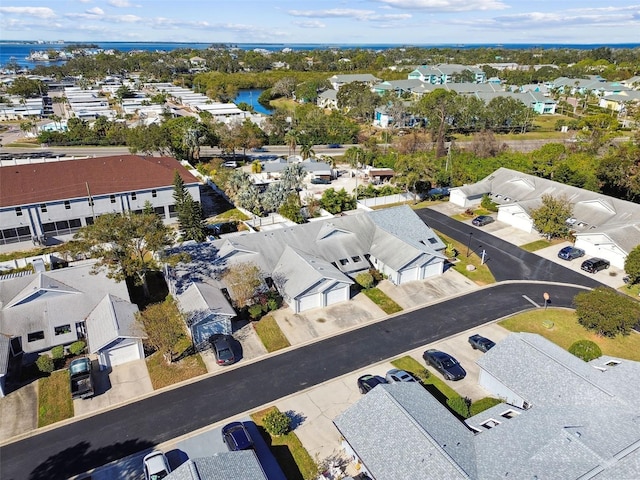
point(67, 179)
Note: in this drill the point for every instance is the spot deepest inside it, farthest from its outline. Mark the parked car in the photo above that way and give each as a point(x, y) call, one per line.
point(397, 376)
point(334, 145)
point(81, 378)
point(478, 342)
point(222, 350)
point(482, 220)
point(155, 466)
point(320, 181)
point(220, 228)
point(236, 436)
point(366, 383)
point(594, 265)
point(570, 253)
point(444, 363)
point(230, 164)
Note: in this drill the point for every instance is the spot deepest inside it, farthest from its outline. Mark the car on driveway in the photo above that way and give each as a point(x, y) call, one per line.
point(482, 220)
point(236, 436)
point(366, 383)
point(594, 265)
point(478, 342)
point(444, 363)
point(396, 376)
point(320, 181)
point(570, 253)
point(222, 350)
point(155, 466)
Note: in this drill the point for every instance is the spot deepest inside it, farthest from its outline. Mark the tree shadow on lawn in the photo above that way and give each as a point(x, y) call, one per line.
point(282, 455)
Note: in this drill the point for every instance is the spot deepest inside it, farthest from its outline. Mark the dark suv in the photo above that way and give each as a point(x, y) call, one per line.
point(594, 265)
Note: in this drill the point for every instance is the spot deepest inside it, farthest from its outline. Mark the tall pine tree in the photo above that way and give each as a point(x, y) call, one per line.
point(189, 212)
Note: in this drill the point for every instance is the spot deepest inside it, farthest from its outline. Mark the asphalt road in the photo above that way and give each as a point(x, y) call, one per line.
point(80, 446)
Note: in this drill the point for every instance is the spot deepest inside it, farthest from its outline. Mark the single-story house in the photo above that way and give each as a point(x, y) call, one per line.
point(604, 226)
point(41, 310)
point(314, 264)
point(562, 418)
point(339, 80)
point(207, 311)
point(112, 333)
point(242, 464)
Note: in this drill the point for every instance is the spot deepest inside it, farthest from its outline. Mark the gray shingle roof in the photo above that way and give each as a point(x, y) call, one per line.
point(200, 296)
point(221, 466)
point(5, 343)
point(399, 431)
point(113, 318)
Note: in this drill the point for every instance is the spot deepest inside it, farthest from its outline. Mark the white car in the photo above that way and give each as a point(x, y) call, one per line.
point(156, 466)
point(396, 376)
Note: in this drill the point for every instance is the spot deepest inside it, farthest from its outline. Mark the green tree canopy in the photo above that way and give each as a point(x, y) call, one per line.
point(336, 202)
point(632, 265)
point(606, 311)
point(164, 326)
point(551, 217)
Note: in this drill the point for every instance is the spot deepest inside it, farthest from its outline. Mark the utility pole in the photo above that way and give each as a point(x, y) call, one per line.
point(93, 213)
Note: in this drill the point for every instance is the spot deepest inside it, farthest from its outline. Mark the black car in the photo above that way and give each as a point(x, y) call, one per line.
point(594, 265)
point(222, 350)
point(448, 366)
point(482, 220)
point(366, 383)
point(320, 181)
point(478, 342)
point(569, 253)
point(236, 436)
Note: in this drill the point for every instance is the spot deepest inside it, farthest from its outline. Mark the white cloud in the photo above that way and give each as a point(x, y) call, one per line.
point(120, 3)
point(446, 5)
point(363, 15)
point(39, 12)
point(310, 24)
point(95, 11)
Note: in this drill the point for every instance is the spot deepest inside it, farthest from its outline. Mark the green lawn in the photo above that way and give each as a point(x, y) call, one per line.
point(537, 245)
point(163, 375)
point(481, 275)
point(566, 330)
point(293, 458)
point(231, 214)
point(54, 398)
point(382, 300)
point(270, 334)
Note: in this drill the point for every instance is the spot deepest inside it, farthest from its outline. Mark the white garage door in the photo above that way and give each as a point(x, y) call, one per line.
point(431, 270)
point(122, 354)
point(338, 293)
point(408, 275)
point(520, 221)
point(308, 302)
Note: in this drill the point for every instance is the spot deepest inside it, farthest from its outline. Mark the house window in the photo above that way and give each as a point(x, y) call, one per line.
point(355, 259)
point(134, 196)
point(159, 211)
point(62, 329)
point(154, 194)
point(67, 204)
point(43, 207)
point(35, 336)
point(112, 198)
point(18, 212)
point(90, 200)
point(489, 424)
point(343, 261)
point(432, 240)
point(509, 414)
point(172, 211)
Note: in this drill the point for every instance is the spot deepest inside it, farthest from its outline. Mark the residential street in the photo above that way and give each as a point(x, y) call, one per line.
point(94, 441)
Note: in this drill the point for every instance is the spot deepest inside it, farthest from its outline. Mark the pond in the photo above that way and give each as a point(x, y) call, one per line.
point(250, 97)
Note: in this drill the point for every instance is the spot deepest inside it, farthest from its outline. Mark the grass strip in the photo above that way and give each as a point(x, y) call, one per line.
point(566, 330)
point(54, 398)
point(163, 375)
point(537, 245)
point(382, 300)
point(293, 458)
point(481, 275)
point(270, 334)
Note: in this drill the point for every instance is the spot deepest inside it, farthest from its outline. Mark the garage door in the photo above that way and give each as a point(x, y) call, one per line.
point(308, 302)
point(408, 275)
point(338, 293)
point(520, 221)
point(122, 354)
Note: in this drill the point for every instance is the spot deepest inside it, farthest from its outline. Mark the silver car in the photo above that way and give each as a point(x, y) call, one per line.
point(396, 376)
point(156, 466)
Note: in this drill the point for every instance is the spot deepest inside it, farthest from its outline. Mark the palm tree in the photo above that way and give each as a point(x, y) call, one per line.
point(292, 140)
point(306, 150)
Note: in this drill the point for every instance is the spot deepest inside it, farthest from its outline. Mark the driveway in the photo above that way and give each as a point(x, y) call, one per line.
point(118, 385)
point(247, 346)
point(19, 411)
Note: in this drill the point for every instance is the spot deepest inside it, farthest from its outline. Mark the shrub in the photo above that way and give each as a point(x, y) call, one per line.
point(606, 311)
point(365, 280)
point(469, 212)
point(277, 423)
point(57, 352)
point(586, 350)
point(460, 405)
point(272, 304)
point(377, 275)
point(255, 311)
point(45, 363)
point(488, 204)
point(76, 348)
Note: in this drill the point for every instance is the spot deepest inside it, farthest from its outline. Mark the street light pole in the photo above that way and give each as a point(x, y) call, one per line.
point(469, 243)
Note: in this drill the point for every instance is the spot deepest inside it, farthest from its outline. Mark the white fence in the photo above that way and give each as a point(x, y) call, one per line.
point(397, 198)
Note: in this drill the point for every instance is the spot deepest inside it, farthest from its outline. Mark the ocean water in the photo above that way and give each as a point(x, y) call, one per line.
point(20, 50)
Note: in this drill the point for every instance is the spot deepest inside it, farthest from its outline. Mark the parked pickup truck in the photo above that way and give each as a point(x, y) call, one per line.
point(478, 342)
point(81, 378)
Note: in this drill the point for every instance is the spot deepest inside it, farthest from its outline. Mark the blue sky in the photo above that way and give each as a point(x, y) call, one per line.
point(326, 21)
